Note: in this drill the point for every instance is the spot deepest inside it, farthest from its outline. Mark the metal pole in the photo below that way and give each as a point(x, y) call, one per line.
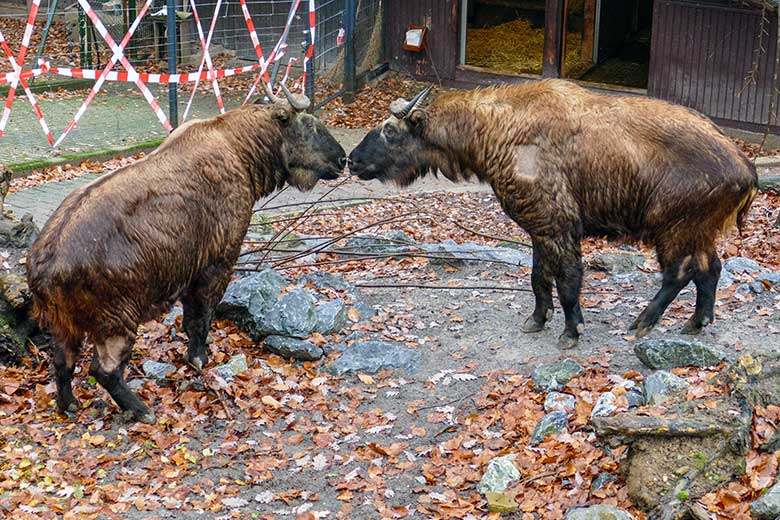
point(173, 102)
point(49, 21)
point(350, 12)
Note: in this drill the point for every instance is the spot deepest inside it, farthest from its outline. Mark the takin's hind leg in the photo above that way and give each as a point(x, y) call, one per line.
point(707, 273)
point(108, 368)
point(198, 302)
point(541, 282)
point(676, 275)
point(64, 362)
point(569, 284)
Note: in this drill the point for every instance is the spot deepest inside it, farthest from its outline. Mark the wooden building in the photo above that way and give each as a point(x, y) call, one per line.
point(695, 53)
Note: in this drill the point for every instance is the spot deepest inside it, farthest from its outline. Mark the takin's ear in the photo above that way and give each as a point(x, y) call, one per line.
point(417, 119)
point(283, 114)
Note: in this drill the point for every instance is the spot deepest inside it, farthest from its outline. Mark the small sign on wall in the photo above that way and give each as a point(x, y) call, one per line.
point(415, 37)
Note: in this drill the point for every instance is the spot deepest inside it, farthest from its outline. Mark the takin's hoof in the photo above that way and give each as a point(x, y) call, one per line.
point(692, 327)
point(143, 416)
point(68, 407)
point(567, 342)
point(198, 362)
point(641, 327)
point(531, 325)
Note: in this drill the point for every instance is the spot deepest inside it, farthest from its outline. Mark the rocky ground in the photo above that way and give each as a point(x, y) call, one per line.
point(370, 365)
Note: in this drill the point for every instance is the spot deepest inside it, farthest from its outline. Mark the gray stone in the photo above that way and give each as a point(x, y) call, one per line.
point(635, 398)
point(767, 506)
point(740, 264)
point(331, 316)
point(14, 290)
point(602, 480)
point(627, 277)
point(666, 353)
point(394, 242)
point(366, 310)
point(500, 472)
point(235, 366)
point(597, 512)
point(17, 233)
point(726, 279)
point(765, 281)
point(605, 405)
point(294, 315)
point(293, 348)
point(555, 376)
point(248, 299)
point(551, 424)
point(771, 278)
point(135, 384)
point(450, 252)
point(325, 280)
point(157, 370)
point(372, 356)
point(558, 402)
point(170, 318)
point(616, 263)
point(663, 386)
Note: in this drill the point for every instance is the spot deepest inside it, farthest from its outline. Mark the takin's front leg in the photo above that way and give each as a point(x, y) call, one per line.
point(542, 277)
point(198, 302)
point(108, 367)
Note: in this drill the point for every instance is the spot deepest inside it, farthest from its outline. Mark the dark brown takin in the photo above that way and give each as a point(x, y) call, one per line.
point(122, 249)
point(566, 163)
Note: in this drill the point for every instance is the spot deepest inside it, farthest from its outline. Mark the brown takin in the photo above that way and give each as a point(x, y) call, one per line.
point(122, 249)
point(566, 163)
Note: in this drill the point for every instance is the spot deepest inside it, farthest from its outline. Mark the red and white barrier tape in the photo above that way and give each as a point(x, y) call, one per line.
point(205, 44)
point(118, 55)
point(277, 52)
point(21, 75)
point(146, 77)
point(28, 29)
point(27, 92)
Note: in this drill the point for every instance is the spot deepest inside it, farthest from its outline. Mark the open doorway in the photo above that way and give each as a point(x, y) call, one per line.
point(503, 36)
point(613, 47)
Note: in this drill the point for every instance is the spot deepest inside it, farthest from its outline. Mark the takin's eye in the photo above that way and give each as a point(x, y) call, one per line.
point(390, 132)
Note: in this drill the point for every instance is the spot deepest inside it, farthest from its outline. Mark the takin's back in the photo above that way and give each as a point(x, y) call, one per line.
point(636, 165)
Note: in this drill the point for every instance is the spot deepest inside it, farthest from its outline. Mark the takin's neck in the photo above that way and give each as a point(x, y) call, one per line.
point(259, 141)
point(475, 140)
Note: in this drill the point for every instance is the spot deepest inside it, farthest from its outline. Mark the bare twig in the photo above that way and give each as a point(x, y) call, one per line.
point(458, 287)
point(343, 199)
point(760, 50)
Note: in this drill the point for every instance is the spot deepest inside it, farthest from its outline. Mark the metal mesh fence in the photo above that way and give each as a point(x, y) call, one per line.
point(72, 41)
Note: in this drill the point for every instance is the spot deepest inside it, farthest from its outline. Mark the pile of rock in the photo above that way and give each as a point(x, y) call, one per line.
point(739, 266)
point(285, 317)
point(16, 327)
point(256, 303)
point(685, 452)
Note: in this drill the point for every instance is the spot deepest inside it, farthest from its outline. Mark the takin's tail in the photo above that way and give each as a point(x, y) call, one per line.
point(748, 200)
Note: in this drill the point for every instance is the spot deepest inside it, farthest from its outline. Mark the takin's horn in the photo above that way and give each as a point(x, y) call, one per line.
point(270, 92)
point(298, 101)
point(400, 108)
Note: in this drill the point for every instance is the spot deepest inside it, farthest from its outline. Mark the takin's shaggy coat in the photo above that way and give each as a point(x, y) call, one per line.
point(566, 163)
point(122, 249)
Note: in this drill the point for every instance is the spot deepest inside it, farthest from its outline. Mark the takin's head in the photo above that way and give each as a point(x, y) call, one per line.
point(311, 152)
point(395, 150)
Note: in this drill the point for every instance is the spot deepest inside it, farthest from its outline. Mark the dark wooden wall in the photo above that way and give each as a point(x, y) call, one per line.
point(701, 56)
point(441, 18)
